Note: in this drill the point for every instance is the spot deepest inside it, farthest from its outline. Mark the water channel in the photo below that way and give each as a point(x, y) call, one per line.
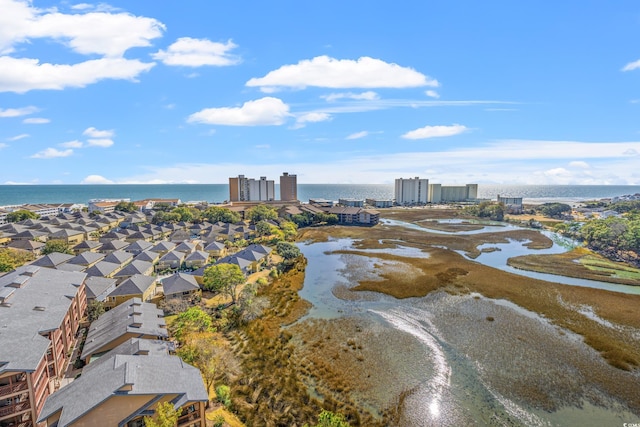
point(452, 381)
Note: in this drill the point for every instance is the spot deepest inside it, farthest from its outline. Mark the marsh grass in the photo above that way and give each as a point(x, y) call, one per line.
point(579, 263)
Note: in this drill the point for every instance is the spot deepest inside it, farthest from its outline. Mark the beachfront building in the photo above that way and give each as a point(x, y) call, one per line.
point(439, 193)
point(350, 202)
point(512, 204)
point(242, 189)
point(288, 187)
point(380, 203)
point(411, 191)
point(40, 312)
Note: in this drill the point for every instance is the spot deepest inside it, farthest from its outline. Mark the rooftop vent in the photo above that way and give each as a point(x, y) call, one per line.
point(39, 308)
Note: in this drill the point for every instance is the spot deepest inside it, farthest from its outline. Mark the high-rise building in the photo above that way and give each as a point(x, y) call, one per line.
point(288, 187)
point(242, 189)
point(412, 191)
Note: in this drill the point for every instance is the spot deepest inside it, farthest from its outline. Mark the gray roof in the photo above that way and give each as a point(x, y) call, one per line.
point(113, 245)
point(103, 268)
point(163, 246)
point(52, 259)
point(148, 256)
point(132, 316)
point(119, 257)
point(135, 267)
point(146, 375)
point(87, 244)
point(139, 246)
point(198, 256)
point(173, 256)
point(35, 301)
point(136, 284)
point(86, 258)
point(178, 283)
point(214, 246)
point(98, 287)
point(185, 247)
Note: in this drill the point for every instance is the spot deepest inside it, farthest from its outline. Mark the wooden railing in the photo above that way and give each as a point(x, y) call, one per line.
point(13, 388)
point(12, 409)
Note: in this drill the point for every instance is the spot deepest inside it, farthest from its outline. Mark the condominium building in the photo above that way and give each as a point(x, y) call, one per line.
point(439, 193)
point(40, 312)
point(242, 189)
point(411, 191)
point(288, 187)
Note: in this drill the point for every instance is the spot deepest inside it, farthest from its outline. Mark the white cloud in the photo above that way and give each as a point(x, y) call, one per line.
point(36, 121)
point(364, 96)
point(100, 7)
point(19, 137)
point(358, 135)
point(435, 131)
point(3, 145)
point(96, 179)
point(17, 112)
point(109, 34)
point(323, 71)
point(95, 133)
point(266, 111)
point(432, 94)
point(51, 153)
point(313, 117)
point(100, 142)
point(190, 52)
point(263, 146)
point(23, 74)
point(631, 66)
point(579, 164)
point(72, 144)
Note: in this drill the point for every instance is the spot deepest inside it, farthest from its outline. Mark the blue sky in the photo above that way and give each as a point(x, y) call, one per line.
point(335, 91)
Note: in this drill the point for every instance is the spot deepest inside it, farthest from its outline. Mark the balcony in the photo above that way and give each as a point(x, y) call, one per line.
point(13, 388)
point(15, 408)
point(188, 418)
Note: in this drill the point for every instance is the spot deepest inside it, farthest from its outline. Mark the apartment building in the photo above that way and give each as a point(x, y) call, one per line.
point(40, 310)
point(411, 191)
point(127, 384)
point(288, 187)
point(242, 189)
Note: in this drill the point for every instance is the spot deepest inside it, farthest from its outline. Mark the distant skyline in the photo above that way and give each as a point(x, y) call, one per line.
point(335, 92)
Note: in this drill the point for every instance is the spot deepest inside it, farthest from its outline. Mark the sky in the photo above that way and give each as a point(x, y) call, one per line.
point(499, 92)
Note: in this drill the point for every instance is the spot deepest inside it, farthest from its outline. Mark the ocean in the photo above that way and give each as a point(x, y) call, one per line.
point(218, 193)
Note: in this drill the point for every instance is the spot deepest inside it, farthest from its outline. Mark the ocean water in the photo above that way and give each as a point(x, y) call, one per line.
point(218, 193)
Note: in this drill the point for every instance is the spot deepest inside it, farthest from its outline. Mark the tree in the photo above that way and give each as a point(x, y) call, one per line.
point(206, 352)
point(10, 259)
point(126, 207)
point(193, 320)
point(95, 309)
point(288, 251)
point(216, 213)
point(260, 213)
point(224, 278)
point(290, 229)
point(187, 214)
point(166, 416)
point(21, 215)
point(554, 210)
point(56, 245)
point(263, 228)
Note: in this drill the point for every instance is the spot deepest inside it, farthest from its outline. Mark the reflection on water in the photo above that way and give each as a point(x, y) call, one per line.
point(470, 374)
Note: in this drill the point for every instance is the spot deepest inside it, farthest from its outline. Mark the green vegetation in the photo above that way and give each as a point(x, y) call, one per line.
point(329, 419)
point(621, 233)
point(307, 218)
point(224, 278)
point(288, 251)
point(95, 309)
point(260, 213)
point(56, 246)
point(195, 319)
point(223, 394)
point(493, 211)
point(553, 210)
point(21, 215)
point(166, 416)
point(216, 213)
point(126, 207)
point(11, 259)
